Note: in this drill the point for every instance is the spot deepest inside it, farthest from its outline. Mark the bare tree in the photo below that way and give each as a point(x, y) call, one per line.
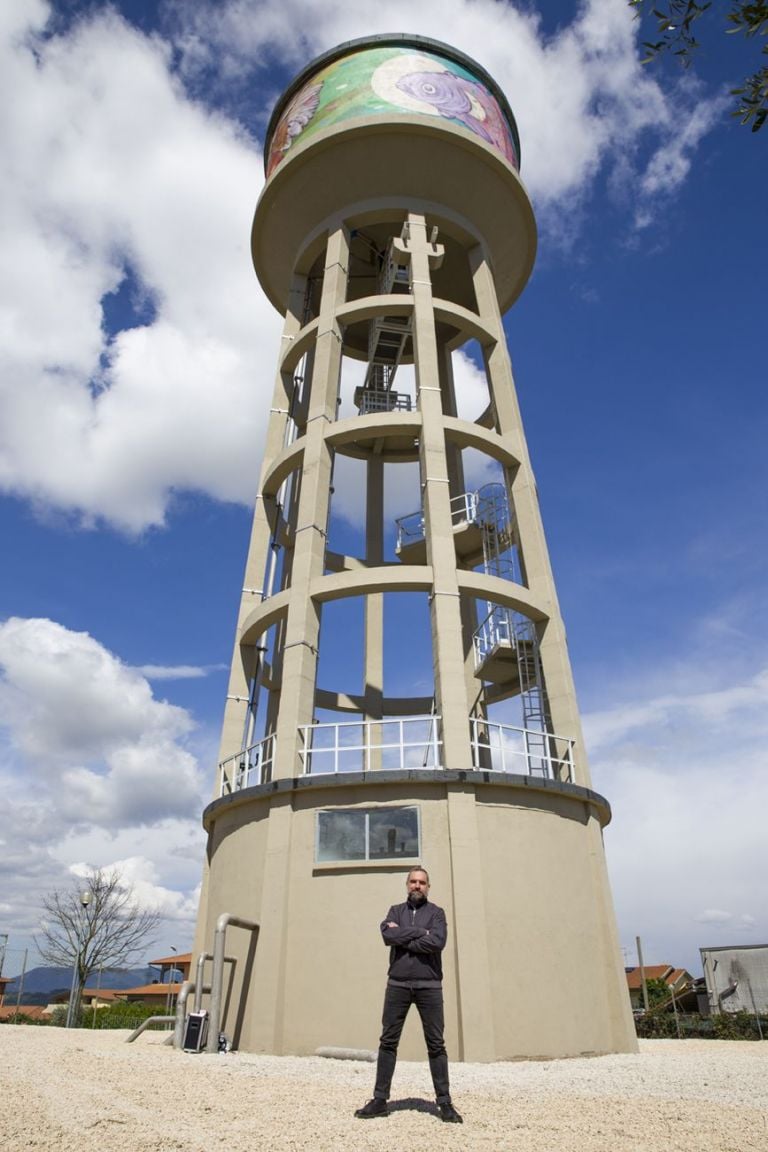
point(107, 931)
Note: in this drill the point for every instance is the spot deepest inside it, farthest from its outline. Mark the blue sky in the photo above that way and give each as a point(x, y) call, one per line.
point(136, 359)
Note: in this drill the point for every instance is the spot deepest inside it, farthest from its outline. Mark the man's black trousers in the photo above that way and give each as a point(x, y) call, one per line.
point(429, 1004)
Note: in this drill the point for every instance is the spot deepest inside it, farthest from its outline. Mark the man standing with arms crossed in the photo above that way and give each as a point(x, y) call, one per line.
point(415, 933)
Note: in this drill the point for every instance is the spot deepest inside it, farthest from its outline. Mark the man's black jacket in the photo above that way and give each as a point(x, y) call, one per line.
point(415, 945)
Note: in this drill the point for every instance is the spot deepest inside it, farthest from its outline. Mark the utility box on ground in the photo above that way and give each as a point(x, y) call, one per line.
point(195, 1032)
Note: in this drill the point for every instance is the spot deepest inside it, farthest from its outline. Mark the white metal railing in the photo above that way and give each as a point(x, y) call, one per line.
point(410, 528)
point(497, 629)
point(366, 745)
point(393, 274)
point(247, 768)
point(464, 509)
point(378, 400)
point(403, 742)
point(525, 751)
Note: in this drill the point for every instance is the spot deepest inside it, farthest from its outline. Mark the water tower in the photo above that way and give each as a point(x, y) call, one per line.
point(400, 688)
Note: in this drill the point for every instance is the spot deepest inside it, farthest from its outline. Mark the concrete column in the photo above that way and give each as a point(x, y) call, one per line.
point(268, 986)
point(617, 1008)
point(244, 657)
point(457, 487)
point(470, 930)
point(558, 678)
point(447, 648)
point(374, 607)
point(300, 653)
point(469, 924)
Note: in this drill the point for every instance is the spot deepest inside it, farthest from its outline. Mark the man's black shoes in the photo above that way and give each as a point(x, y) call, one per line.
point(377, 1107)
point(449, 1114)
point(373, 1108)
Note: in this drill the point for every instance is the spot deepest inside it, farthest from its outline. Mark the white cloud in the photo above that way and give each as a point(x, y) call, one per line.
point(670, 165)
point(736, 711)
point(713, 916)
point(64, 697)
point(581, 98)
point(401, 495)
point(686, 777)
point(90, 733)
point(177, 671)
point(115, 181)
point(147, 894)
point(92, 768)
point(112, 172)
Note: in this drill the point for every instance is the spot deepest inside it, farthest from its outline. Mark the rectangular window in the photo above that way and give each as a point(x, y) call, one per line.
point(367, 834)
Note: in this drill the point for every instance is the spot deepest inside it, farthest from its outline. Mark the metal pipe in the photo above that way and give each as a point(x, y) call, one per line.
point(674, 1009)
point(200, 987)
point(95, 1002)
point(199, 979)
point(146, 1023)
point(643, 981)
point(181, 1012)
point(217, 980)
point(21, 982)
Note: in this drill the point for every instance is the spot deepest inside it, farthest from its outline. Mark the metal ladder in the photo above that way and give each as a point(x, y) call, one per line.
point(387, 335)
point(500, 559)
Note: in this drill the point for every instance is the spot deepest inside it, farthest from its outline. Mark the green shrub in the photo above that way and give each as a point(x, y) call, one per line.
point(656, 1025)
point(723, 1026)
point(123, 1015)
point(21, 1017)
point(739, 1026)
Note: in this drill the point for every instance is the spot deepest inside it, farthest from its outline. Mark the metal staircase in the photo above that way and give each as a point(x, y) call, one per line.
point(387, 339)
point(506, 645)
point(507, 637)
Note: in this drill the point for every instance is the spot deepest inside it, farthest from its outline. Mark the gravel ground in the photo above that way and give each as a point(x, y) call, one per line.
point(91, 1092)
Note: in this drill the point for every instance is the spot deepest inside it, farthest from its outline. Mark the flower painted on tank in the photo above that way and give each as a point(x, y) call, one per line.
point(293, 121)
point(426, 85)
point(380, 81)
point(445, 92)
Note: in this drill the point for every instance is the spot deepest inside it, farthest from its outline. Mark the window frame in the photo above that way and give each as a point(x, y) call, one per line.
point(366, 811)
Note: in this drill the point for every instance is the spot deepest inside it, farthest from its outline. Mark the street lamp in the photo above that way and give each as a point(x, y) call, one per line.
point(170, 997)
point(85, 899)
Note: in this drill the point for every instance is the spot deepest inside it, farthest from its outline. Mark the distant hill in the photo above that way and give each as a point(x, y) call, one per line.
point(41, 985)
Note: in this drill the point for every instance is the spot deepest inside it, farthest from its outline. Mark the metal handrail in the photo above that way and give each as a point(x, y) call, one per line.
point(251, 766)
point(524, 751)
point(382, 400)
point(497, 628)
point(337, 743)
point(464, 510)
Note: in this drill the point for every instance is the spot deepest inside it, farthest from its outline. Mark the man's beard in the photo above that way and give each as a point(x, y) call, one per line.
point(417, 897)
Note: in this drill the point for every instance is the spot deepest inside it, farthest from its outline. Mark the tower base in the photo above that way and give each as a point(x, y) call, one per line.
point(532, 968)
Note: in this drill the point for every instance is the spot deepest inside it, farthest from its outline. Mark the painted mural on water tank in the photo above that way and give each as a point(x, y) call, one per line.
point(392, 81)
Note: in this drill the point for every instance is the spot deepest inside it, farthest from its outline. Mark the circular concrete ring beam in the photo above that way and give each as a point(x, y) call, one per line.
point(503, 787)
point(264, 616)
point(485, 440)
point(287, 461)
point(354, 431)
point(295, 347)
point(402, 157)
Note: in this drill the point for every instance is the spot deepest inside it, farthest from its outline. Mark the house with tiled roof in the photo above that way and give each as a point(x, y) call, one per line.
point(162, 992)
point(29, 1011)
point(180, 962)
point(678, 980)
point(99, 997)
